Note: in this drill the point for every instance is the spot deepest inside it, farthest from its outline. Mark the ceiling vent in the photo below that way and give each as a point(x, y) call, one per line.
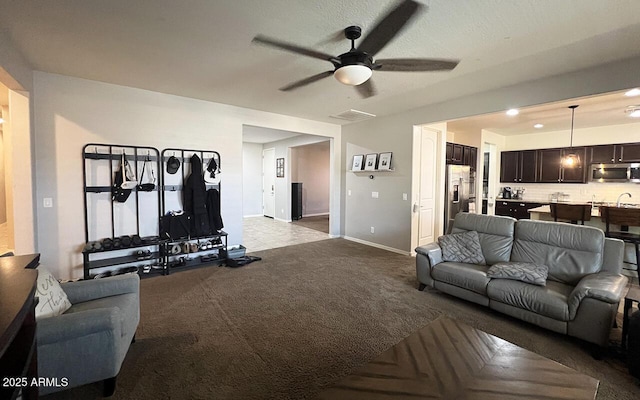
point(353, 115)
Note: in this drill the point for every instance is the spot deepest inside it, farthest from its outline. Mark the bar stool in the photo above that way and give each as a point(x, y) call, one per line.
point(625, 217)
point(571, 212)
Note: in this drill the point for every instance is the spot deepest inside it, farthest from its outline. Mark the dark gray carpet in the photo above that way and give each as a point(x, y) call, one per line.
point(299, 320)
point(318, 223)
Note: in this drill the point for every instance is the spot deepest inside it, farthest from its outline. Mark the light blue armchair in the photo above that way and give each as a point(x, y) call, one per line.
point(90, 340)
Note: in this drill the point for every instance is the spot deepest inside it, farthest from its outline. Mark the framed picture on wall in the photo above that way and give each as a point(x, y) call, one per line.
point(357, 162)
point(279, 167)
point(385, 161)
point(370, 162)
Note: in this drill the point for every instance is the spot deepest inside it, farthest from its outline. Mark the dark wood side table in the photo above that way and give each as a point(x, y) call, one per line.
point(18, 348)
point(632, 295)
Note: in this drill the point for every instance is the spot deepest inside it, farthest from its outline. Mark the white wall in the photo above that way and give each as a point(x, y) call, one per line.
point(3, 192)
point(71, 112)
point(251, 179)
point(283, 185)
point(310, 165)
point(394, 133)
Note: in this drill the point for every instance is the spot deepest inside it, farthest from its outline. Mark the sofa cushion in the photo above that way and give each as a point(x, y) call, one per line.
point(495, 234)
point(467, 276)
point(570, 251)
point(52, 300)
point(550, 300)
point(126, 305)
point(462, 247)
point(520, 271)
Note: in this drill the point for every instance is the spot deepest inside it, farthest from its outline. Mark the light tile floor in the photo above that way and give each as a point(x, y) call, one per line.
point(262, 233)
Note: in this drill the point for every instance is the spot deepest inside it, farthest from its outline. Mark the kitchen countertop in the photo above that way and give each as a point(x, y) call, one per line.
point(547, 210)
point(525, 201)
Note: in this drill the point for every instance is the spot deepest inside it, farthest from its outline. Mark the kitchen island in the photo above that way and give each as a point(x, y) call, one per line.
point(543, 213)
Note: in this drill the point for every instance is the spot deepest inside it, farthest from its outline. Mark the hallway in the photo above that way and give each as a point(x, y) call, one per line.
point(262, 233)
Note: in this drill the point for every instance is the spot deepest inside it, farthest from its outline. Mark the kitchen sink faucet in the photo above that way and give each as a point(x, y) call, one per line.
point(619, 197)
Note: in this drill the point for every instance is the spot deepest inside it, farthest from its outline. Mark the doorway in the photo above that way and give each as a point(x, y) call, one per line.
point(269, 182)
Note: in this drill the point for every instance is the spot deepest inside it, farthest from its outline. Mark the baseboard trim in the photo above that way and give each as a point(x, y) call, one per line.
point(252, 216)
point(315, 215)
point(379, 246)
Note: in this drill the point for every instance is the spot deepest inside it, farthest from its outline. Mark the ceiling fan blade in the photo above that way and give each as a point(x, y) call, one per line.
point(366, 89)
point(294, 48)
point(415, 64)
point(388, 27)
point(306, 81)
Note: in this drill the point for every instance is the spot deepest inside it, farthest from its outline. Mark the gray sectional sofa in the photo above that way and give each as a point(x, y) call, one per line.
point(584, 284)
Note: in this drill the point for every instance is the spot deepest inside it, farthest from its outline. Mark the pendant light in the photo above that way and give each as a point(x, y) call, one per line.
point(572, 159)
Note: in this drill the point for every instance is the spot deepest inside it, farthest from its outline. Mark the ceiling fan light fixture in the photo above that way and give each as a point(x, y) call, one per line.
point(353, 75)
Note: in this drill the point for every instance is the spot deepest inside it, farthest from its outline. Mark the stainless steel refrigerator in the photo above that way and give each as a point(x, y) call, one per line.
point(459, 193)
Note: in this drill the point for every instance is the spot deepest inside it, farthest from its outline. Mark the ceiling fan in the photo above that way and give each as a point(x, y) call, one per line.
point(356, 66)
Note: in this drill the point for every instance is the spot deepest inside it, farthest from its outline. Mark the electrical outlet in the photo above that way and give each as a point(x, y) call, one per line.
point(47, 202)
point(374, 195)
point(405, 197)
point(373, 230)
point(349, 192)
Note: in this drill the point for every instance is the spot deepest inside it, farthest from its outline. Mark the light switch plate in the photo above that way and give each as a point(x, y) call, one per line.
point(47, 202)
point(374, 195)
point(404, 196)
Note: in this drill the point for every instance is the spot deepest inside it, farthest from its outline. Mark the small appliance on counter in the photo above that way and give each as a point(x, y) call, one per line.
point(506, 192)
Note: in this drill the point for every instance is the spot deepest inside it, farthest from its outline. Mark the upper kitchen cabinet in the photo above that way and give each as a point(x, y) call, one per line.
point(461, 155)
point(470, 156)
point(518, 166)
point(552, 171)
point(613, 153)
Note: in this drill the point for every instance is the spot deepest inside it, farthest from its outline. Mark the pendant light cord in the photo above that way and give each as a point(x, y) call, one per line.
point(573, 111)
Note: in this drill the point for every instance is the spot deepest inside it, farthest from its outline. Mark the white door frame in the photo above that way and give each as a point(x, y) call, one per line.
point(438, 221)
point(268, 193)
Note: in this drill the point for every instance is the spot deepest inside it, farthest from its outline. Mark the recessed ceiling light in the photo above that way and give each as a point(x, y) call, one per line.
point(538, 126)
point(633, 92)
point(513, 112)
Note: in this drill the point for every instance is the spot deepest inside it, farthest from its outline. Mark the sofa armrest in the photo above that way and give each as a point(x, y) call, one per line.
point(603, 286)
point(67, 327)
point(432, 251)
point(92, 289)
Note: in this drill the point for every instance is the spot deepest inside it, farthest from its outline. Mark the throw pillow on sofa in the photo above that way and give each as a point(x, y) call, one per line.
point(520, 271)
point(52, 300)
point(462, 247)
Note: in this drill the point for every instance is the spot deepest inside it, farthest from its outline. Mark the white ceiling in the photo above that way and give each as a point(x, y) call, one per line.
point(257, 134)
point(202, 49)
point(592, 112)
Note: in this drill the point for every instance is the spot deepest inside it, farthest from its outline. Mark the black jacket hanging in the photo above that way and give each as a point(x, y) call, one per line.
point(213, 208)
point(195, 198)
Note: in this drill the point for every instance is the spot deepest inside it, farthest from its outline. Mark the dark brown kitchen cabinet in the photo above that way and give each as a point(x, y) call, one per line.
point(629, 152)
point(457, 154)
point(614, 153)
point(470, 156)
point(603, 154)
point(515, 209)
point(552, 171)
point(518, 166)
point(461, 155)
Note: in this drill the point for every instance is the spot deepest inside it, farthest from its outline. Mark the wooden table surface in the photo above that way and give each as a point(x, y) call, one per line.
point(450, 360)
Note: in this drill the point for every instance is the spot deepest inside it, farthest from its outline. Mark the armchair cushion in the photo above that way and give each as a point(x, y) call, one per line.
point(520, 271)
point(52, 300)
point(462, 247)
point(98, 288)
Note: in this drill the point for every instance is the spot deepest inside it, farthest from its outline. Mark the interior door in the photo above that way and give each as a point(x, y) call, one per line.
point(269, 182)
point(427, 199)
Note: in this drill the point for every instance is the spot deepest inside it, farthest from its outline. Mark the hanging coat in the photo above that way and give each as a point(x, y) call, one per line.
point(194, 193)
point(213, 208)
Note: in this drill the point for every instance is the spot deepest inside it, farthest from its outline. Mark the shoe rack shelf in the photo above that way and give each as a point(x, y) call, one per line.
point(175, 183)
point(101, 161)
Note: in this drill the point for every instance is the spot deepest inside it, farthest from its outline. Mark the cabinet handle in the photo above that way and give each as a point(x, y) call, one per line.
point(619, 159)
point(613, 159)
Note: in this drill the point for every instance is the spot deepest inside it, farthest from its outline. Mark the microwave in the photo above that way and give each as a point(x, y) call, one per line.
point(615, 173)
